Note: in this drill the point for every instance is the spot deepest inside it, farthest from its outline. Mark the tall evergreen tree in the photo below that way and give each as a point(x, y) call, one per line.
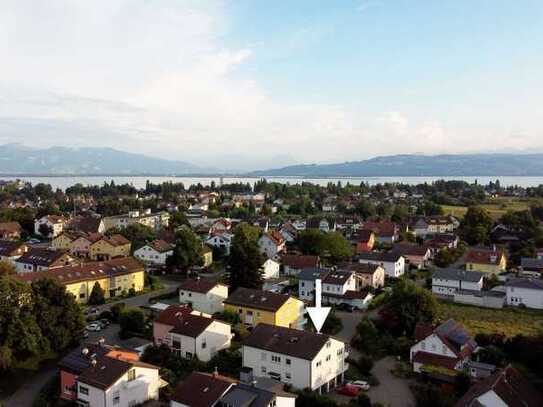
point(245, 260)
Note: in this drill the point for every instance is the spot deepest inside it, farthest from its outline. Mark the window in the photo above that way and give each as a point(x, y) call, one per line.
point(287, 376)
point(263, 369)
point(131, 375)
point(116, 397)
point(287, 361)
point(339, 351)
point(188, 355)
point(276, 359)
point(84, 390)
point(319, 363)
point(328, 358)
point(303, 284)
point(240, 311)
point(328, 344)
point(204, 345)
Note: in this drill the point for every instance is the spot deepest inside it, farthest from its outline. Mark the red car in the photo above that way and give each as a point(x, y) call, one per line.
point(349, 390)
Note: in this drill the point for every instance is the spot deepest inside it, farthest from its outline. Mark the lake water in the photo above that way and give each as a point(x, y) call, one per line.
point(64, 182)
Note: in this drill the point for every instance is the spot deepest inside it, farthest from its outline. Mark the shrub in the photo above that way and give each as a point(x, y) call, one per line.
point(116, 310)
point(97, 295)
point(132, 320)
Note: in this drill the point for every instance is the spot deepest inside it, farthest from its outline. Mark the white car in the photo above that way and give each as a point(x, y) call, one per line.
point(94, 327)
point(361, 384)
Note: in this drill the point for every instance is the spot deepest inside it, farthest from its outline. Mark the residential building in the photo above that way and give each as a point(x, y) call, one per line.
point(449, 281)
point(11, 250)
point(385, 231)
point(270, 269)
point(306, 282)
point(414, 255)
point(507, 387)
point(432, 225)
point(87, 224)
point(487, 261)
point(525, 292)
point(207, 256)
point(363, 241)
point(77, 243)
point(203, 295)
point(55, 225)
point(155, 252)
point(257, 392)
point(446, 346)
point(393, 263)
point(38, 259)
point(110, 247)
point(323, 224)
point(271, 244)
point(298, 358)
point(191, 335)
point(201, 390)
point(367, 275)
point(293, 264)
point(98, 375)
point(531, 266)
point(442, 241)
point(156, 221)
point(221, 241)
point(10, 230)
point(256, 306)
point(115, 277)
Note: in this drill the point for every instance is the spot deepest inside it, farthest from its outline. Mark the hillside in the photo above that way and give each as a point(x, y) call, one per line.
point(421, 165)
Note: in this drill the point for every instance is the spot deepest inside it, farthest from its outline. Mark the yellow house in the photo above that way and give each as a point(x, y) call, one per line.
point(207, 256)
point(78, 243)
point(256, 306)
point(63, 241)
point(116, 277)
point(486, 261)
point(109, 247)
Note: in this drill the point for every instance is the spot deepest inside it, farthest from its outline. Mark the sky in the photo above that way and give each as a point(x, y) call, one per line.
point(253, 84)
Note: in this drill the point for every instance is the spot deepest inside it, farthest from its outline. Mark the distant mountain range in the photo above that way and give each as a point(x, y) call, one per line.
point(17, 159)
point(421, 165)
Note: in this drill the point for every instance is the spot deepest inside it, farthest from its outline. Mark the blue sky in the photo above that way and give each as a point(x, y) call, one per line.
point(258, 83)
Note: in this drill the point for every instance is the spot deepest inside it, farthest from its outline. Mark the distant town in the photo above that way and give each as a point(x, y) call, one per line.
point(197, 295)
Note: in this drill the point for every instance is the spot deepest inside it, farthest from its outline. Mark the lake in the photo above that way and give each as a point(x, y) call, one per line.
point(64, 182)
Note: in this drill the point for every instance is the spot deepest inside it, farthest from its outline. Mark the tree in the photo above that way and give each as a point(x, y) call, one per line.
point(177, 220)
point(332, 245)
point(408, 305)
point(132, 320)
point(475, 227)
point(6, 268)
point(57, 313)
point(245, 260)
point(45, 230)
point(20, 335)
point(137, 233)
point(367, 337)
point(97, 295)
point(338, 247)
point(187, 251)
point(362, 400)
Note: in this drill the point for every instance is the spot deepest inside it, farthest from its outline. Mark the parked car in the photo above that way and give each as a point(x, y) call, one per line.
point(33, 241)
point(362, 384)
point(104, 322)
point(95, 326)
point(345, 307)
point(349, 390)
point(92, 311)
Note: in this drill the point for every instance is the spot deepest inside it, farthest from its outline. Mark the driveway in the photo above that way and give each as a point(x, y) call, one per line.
point(25, 395)
point(391, 391)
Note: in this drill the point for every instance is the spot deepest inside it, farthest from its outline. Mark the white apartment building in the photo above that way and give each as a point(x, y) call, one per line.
point(203, 295)
point(525, 292)
point(450, 281)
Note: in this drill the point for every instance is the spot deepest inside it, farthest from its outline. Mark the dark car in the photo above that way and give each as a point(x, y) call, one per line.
point(346, 307)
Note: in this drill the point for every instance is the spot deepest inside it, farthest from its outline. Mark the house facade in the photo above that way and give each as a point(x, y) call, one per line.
point(392, 263)
point(450, 281)
point(155, 252)
point(155, 221)
point(11, 250)
point(525, 292)
point(486, 261)
point(301, 359)
point(293, 264)
point(38, 260)
point(54, 223)
point(203, 295)
point(110, 247)
point(271, 244)
point(10, 230)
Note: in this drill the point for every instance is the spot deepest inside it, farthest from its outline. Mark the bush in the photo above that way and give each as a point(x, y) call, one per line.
point(106, 315)
point(365, 364)
point(132, 320)
point(97, 296)
point(116, 310)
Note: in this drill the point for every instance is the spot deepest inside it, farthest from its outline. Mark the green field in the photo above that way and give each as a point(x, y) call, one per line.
point(507, 321)
point(496, 207)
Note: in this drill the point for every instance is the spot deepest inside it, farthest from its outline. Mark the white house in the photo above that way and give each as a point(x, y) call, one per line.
point(11, 250)
point(199, 336)
point(203, 295)
point(220, 241)
point(271, 243)
point(117, 383)
point(201, 390)
point(257, 392)
point(306, 282)
point(340, 287)
point(449, 281)
point(525, 292)
point(155, 252)
point(270, 269)
point(393, 263)
point(293, 264)
point(448, 346)
point(301, 359)
point(53, 222)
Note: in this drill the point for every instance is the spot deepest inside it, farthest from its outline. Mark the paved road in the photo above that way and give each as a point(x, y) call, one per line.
point(25, 395)
point(391, 391)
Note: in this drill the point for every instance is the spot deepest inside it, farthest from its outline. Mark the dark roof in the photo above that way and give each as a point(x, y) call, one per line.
point(201, 389)
point(192, 325)
point(360, 268)
point(105, 372)
point(530, 284)
point(76, 361)
point(509, 385)
point(314, 223)
point(87, 224)
point(458, 274)
point(426, 358)
point(311, 274)
point(456, 337)
point(173, 314)
point(94, 270)
point(384, 228)
point(116, 240)
point(264, 300)
point(422, 331)
point(385, 257)
point(300, 261)
point(198, 286)
point(363, 235)
point(41, 257)
point(287, 341)
point(408, 249)
point(531, 264)
point(9, 248)
point(338, 277)
point(161, 246)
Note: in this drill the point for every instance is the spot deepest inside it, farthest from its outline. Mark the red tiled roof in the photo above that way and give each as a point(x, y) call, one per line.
point(426, 358)
point(276, 237)
point(173, 314)
point(384, 228)
point(11, 227)
point(422, 331)
point(300, 261)
point(479, 256)
point(199, 286)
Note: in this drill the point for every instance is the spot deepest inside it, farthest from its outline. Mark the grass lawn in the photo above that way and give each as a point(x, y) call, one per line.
point(507, 321)
point(496, 207)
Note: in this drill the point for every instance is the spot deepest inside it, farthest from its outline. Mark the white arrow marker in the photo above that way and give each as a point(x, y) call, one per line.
point(317, 313)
